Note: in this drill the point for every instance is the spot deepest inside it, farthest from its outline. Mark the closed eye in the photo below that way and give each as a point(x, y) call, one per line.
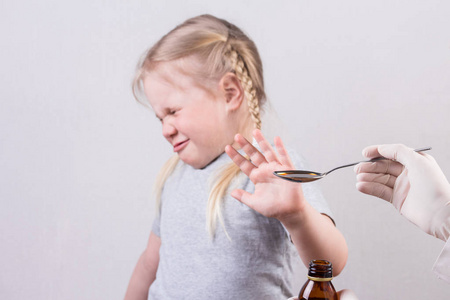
point(159, 118)
point(173, 111)
point(168, 112)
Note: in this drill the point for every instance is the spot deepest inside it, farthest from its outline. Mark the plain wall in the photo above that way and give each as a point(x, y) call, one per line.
point(78, 155)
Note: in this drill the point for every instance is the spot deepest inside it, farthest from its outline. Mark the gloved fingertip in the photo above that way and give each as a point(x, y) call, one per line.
point(365, 152)
point(358, 186)
point(370, 151)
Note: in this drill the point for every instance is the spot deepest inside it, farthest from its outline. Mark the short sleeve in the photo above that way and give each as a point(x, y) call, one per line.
point(156, 225)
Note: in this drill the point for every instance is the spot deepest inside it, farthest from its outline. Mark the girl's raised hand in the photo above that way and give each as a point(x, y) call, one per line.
point(273, 197)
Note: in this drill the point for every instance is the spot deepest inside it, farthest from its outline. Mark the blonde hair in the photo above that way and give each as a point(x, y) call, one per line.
point(220, 47)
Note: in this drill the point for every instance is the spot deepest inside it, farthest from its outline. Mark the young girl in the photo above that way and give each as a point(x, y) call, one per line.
point(204, 82)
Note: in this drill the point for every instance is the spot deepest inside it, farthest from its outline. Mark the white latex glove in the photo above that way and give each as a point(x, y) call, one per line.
point(412, 182)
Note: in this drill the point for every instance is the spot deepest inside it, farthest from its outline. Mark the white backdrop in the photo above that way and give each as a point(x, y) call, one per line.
point(78, 155)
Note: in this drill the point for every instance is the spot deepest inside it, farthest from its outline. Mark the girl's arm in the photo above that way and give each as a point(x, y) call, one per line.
point(313, 234)
point(145, 271)
point(316, 237)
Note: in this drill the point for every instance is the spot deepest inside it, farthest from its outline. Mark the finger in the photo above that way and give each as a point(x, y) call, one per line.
point(382, 166)
point(371, 151)
point(237, 194)
point(255, 156)
point(397, 152)
point(266, 148)
point(242, 196)
point(386, 179)
point(283, 155)
point(375, 189)
point(244, 164)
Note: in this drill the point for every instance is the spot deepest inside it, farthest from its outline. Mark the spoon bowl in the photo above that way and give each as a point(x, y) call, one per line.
point(299, 175)
point(309, 176)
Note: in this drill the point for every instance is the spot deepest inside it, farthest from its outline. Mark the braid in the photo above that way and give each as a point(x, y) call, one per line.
point(241, 72)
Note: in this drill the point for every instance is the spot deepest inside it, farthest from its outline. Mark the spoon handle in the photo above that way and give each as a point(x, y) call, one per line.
point(373, 160)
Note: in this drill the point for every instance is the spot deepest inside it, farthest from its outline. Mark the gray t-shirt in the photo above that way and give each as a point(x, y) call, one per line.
point(259, 262)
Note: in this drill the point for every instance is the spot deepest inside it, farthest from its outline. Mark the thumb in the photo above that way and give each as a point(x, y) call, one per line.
point(397, 152)
point(242, 196)
point(237, 194)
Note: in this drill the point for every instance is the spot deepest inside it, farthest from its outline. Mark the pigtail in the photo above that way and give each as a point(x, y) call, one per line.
point(225, 178)
point(163, 174)
point(221, 184)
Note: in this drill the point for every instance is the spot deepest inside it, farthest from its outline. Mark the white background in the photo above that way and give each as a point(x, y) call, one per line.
point(78, 155)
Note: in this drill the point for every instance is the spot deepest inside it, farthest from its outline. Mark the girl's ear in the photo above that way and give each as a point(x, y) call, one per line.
point(233, 91)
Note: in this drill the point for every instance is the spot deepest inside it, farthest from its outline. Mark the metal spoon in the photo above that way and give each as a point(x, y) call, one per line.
point(308, 176)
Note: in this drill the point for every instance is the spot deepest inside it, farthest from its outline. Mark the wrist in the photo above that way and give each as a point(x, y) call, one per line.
point(441, 221)
point(298, 218)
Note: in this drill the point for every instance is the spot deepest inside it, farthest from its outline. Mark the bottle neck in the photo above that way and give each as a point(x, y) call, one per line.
point(319, 279)
point(320, 270)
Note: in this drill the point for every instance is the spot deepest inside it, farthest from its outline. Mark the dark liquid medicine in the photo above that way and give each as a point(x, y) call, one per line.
point(300, 176)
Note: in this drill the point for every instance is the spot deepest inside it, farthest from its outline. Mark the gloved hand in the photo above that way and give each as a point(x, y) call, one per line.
point(412, 182)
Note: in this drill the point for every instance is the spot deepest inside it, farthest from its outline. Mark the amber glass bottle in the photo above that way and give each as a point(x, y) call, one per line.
point(319, 286)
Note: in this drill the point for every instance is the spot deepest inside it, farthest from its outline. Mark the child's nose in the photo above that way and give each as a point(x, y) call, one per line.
point(168, 130)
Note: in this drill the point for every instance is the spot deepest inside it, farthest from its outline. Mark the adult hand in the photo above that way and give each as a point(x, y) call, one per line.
point(412, 182)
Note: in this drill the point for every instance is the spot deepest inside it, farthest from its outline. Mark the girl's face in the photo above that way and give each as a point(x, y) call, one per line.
point(195, 120)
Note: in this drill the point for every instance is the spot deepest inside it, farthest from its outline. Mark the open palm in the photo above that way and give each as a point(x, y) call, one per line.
point(272, 197)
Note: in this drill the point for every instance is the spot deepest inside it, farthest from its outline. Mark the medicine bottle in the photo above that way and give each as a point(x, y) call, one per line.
point(319, 286)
